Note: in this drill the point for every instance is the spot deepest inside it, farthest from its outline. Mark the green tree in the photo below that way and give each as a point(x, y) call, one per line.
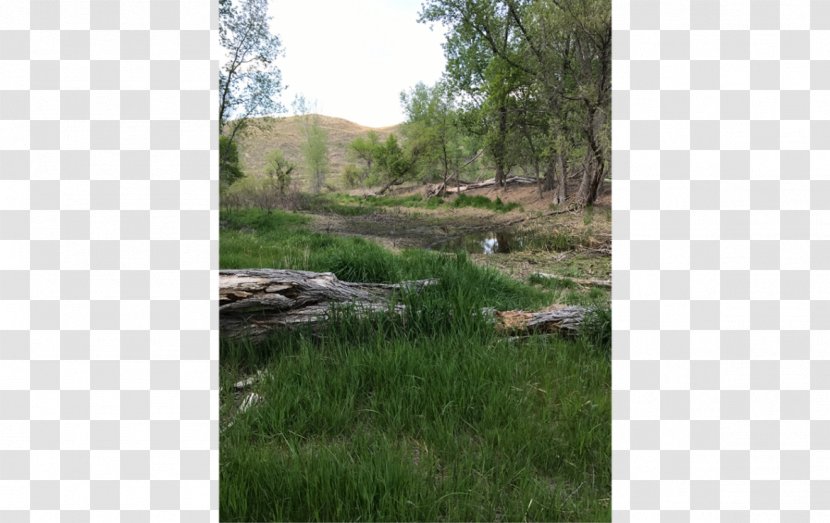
point(363, 149)
point(555, 53)
point(432, 130)
point(278, 168)
point(249, 81)
point(316, 153)
point(393, 163)
point(315, 148)
point(229, 169)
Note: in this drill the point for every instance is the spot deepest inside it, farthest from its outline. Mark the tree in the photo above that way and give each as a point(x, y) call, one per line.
point(393, 163)
point(279, 169)
point(229, 169)
point(432, 130)
point(316, 152)
point(555, 54)
point(249, 81)
point(480, 51)
point(362, 149)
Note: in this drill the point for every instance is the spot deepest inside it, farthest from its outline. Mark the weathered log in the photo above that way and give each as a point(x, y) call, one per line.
point(590, 282)
point(559, 319)
point(255, 301)
point(440, 188)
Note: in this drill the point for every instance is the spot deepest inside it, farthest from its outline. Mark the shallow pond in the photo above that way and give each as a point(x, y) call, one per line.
point(486, 242)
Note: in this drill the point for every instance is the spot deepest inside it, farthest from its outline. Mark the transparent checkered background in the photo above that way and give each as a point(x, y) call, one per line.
point(721, 260)
point(108, 238)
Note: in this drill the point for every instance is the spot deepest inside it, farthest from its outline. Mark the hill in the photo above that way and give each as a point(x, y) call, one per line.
point(287, 135)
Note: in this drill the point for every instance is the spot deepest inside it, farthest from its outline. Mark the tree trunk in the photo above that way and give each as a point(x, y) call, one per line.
point(500, 146)
point(561, 319)
point(550, 173)
point(562, 185)
point(394, 181)
point(256, 302)
point(595, 172)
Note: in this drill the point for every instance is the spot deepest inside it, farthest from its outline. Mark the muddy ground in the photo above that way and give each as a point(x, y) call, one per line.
point(572, 243)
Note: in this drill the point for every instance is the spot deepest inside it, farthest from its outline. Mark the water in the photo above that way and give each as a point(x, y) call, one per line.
point(482, 242)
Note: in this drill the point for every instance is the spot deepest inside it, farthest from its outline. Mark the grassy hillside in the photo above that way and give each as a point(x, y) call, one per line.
point(287, 135)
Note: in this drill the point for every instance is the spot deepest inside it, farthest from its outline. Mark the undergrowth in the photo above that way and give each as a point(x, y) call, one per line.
point(348, 205)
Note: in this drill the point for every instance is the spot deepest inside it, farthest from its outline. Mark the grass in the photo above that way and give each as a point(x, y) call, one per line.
point(482, 202)
point(423, 417)
point(567, 291)
point(349, 205)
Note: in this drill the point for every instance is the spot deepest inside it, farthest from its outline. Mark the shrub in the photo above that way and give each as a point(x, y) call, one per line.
point(596, 328)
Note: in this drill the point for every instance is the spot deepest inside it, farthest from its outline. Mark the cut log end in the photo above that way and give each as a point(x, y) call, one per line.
point(562, 319)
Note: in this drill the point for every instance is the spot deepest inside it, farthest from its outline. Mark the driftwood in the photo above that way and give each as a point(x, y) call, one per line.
point(559, 319)
point(439, 188)
point(590, 282)
point(254, 302)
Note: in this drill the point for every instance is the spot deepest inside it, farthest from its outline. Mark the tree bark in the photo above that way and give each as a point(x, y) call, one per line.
point(255, 301)
point(579, 281)
point(499, 152)
point(394, 181)
point(560, 319)
point(561, 194)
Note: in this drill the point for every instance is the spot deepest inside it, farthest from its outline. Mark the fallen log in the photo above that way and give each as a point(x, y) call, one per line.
point(254, 302)
point(558, 319)
point(589, 282)
point(440, 188)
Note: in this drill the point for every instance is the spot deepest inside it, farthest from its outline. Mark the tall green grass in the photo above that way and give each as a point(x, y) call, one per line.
point(424, 416)
point(482, 202)
point(349, 205)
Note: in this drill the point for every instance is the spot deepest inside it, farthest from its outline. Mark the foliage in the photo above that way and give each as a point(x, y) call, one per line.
point(352, 175)
point(260, 192)
point(229, 168)
point(483, 202)
point(432, 131)
point(279, 170)
point(364, 150)
point(316, 154)
point(249, 81)
point(393, 163)
point(535, 77)
point(347, 205)
point(596, 329)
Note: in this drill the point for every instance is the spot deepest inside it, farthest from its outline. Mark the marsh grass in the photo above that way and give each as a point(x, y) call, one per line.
point(349, 205)
point(424, 416)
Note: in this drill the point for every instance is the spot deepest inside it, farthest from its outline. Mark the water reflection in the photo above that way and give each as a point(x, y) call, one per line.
point(486, 242)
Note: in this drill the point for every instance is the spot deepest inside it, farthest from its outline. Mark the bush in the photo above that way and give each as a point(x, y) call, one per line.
point(279, 169)
point(229, 168)
point(352, 175)
point(482, 202)
point(596, 328)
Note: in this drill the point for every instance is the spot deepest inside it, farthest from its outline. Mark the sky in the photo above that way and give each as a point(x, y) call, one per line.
point(352, 58)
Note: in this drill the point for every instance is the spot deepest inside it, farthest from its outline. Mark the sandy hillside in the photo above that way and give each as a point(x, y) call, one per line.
point(287, 134)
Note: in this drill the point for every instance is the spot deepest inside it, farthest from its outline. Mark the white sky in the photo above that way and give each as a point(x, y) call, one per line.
point(352, 58)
